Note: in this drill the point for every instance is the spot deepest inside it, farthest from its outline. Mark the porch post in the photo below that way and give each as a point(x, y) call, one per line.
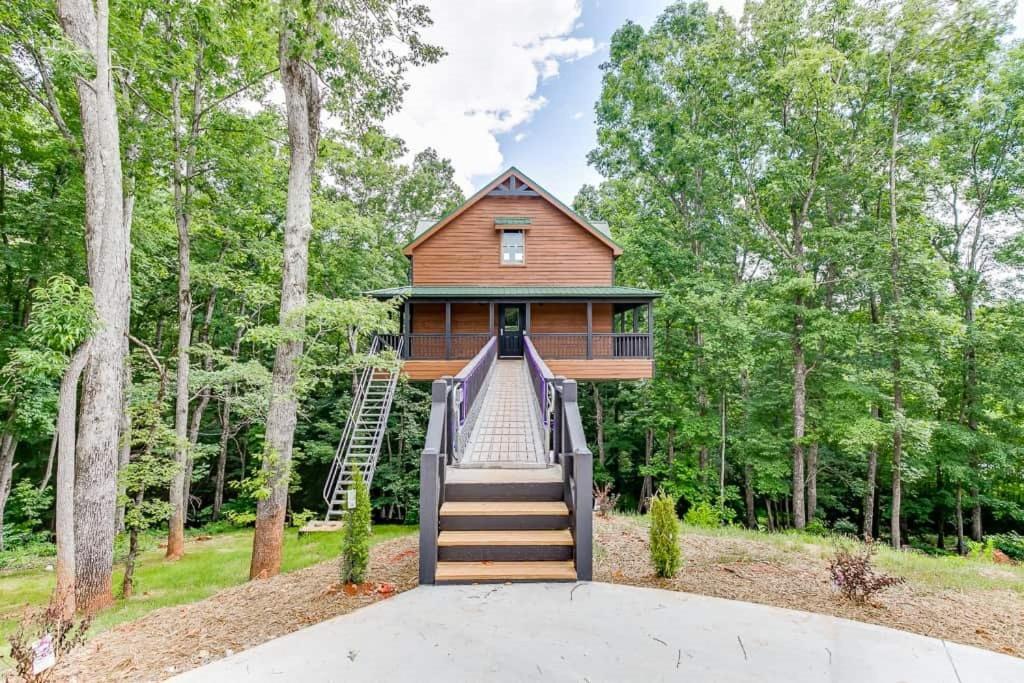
point(490, 319)
point(447, 330)
point(590, 330)
point(650, 329)
point(406, 310)
point(526, 327)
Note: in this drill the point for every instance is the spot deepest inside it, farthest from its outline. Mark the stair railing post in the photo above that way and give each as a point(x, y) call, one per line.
point(431, 481)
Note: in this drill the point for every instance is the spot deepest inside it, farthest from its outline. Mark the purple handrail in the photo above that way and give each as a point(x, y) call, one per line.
point(472, 376)
point(541, 377)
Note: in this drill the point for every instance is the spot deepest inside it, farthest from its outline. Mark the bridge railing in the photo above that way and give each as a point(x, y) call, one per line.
point(543, 381)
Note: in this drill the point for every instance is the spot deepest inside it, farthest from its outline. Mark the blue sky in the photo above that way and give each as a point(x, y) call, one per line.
point(518, 85)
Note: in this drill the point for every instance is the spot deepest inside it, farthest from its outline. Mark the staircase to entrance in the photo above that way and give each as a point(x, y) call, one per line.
point(506, 497)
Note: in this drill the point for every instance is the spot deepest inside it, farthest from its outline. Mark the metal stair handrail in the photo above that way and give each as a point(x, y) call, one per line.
point(337, 466)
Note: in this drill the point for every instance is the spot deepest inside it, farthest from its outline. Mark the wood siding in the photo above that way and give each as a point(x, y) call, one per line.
point(548, 318)
point(584, 370)
point(466, 318)
point(467, 251)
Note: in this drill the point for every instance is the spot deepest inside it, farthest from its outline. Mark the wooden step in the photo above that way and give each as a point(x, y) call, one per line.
point(503, 515)
point(535, 545)
point(486, 508)
point(539, 537)
point(500, 572)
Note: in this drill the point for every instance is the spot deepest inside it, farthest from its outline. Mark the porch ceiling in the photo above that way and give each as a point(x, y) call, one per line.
point(483, 293)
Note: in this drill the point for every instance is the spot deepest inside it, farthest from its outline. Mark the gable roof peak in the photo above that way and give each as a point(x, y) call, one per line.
point(502, 187)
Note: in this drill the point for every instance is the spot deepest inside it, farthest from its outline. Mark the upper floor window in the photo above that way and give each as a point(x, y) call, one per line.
point(513, 248)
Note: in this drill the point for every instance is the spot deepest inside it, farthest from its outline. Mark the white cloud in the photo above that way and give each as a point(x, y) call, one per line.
point(498, 53)
point(519, 137)
point(577, 116)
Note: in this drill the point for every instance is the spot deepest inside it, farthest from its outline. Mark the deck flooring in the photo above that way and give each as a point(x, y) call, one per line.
point(508, 431)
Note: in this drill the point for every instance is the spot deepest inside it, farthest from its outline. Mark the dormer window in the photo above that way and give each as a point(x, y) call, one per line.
point(513, 247)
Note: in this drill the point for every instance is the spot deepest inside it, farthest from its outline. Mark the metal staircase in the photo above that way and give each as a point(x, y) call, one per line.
point(364, 429)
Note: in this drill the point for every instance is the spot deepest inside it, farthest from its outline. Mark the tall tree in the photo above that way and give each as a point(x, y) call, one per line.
point(369, 49)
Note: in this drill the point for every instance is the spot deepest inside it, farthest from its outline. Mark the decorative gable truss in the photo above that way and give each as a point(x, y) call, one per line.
point(513, 187)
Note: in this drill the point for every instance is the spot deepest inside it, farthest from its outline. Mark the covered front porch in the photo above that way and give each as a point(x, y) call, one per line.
point(588, 333)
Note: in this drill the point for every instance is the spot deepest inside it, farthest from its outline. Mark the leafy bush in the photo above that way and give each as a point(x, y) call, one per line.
point(664, 536)
point(64, 634)
point(703, 514)
point(844, 527)
point(300, 519)
point(984, 550)
point(816, 527)
point(355, 549)
point(241, 518)
point(28, 504)
point(855, 578)
point(605, 499)
point(1010, 543)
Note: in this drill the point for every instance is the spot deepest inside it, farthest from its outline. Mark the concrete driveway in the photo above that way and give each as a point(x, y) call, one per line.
point(600, 632)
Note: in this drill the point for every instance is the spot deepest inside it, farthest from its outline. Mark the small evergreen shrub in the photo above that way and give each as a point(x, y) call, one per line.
point(355, 548)
point(664, 536)
point(854, 576)
point(703, 514)
point(1011, 543)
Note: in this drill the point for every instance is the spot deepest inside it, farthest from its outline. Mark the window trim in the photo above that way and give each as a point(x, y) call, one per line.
point(501, 250)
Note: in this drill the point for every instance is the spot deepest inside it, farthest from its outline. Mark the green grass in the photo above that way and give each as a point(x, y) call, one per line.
point(208, 566)
point(943, 572)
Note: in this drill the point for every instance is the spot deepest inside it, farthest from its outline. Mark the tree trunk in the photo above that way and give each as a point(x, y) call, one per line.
point(67, 410)
point(897, 379)
point(8, 445)
point(124, 454)
point(647, 489)
point(599, 421)
point(799, 416)
point(200, 408)
point(721, 463)
point(871, 486)
point(302, 102)
point(48, 473)
point(768, 511)
point(225, 429)
point(961, 546)
point(812, 480)
point(107, 253)
point(748, 491)
point(128, 583)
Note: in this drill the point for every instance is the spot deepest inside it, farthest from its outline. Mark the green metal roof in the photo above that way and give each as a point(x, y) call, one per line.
point(475, 292)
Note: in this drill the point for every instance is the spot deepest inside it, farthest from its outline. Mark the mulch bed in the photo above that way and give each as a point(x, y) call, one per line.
point(175, 639)
point(742, 569)
point(171, 640)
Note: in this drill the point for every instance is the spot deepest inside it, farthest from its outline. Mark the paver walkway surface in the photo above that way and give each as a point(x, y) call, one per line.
point(507, 432)
point(600, 632)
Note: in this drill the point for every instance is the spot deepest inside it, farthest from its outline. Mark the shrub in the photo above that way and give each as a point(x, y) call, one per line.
point(844, 527)
point(664, 539)
point(300, 519)
point(816, 527)
point(855, 578)
point(703, 514)
point(605, 499)
point(985, 550)
point(355, 549)
point(1010, 543)
point(63, 634)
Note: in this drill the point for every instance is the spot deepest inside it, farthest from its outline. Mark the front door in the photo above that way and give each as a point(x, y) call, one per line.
point(511, 320)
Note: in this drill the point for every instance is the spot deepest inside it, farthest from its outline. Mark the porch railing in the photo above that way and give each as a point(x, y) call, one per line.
point(440, 346)
point(437, 453)
point(599, 345)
